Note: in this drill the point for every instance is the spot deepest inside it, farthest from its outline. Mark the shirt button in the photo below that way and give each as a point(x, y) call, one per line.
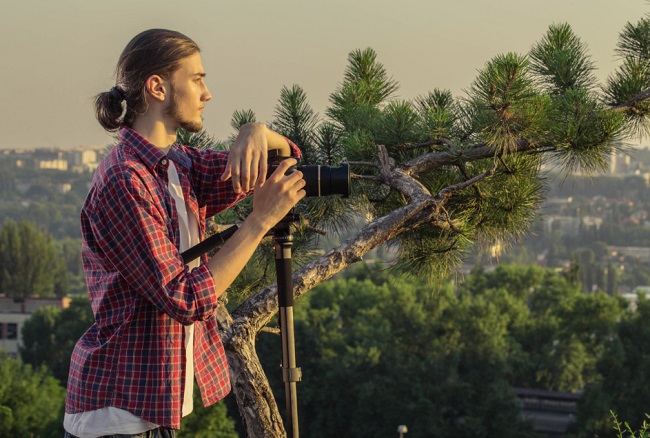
point(164, 161)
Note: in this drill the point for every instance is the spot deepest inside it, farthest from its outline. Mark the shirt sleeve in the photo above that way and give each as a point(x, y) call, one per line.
point(132, 233)
point(295, 151)
point(207, 167)
point(205, 178)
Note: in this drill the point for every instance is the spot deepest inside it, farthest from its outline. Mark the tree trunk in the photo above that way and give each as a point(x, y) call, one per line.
point(250, 386)
point(255, 399)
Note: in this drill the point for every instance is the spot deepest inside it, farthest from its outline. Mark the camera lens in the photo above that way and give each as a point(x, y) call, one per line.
point(327, 180)
point(321, 180)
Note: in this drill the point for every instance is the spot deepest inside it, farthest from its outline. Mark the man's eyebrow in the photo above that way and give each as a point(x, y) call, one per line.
point(201, 74)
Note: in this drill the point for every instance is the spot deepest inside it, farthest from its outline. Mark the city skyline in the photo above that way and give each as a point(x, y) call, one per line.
point(63, 53)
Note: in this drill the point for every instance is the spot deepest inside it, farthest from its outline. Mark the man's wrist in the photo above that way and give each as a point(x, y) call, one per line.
point(256, 225)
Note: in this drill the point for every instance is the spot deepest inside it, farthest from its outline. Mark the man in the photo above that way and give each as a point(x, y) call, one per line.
point(131, 373)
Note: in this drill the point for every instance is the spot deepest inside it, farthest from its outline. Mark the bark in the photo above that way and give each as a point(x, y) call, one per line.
point(255, 399)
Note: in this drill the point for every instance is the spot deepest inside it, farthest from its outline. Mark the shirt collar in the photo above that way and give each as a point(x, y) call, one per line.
point(150, 154)
point(177, 154)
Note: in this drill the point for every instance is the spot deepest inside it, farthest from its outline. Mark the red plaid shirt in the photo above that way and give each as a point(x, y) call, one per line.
point(141, 293)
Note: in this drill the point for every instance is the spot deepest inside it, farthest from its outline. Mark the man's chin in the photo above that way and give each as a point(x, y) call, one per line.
point(192, 126)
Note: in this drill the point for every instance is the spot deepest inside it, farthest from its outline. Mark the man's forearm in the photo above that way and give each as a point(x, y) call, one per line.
point(277, 141)
point(229, 261)
point(271, 202)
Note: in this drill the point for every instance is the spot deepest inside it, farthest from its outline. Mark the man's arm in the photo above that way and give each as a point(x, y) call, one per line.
point(248, 159)
point(271, 203)
point(130, 235)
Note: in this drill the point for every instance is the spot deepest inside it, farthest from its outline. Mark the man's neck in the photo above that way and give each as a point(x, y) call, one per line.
point(155, 131)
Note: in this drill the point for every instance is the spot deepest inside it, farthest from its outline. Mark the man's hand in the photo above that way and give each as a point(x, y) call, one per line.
point(273, 200)
point(248, 159)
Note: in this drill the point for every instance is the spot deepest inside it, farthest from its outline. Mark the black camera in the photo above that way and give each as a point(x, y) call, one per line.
point(321, 180)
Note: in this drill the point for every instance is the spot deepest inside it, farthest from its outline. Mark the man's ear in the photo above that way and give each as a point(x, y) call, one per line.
point(156, 87)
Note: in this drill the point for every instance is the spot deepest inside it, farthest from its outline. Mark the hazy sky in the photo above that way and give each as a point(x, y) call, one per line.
point(57, 54)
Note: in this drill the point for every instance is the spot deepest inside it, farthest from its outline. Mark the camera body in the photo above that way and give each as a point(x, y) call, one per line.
point(321, 180)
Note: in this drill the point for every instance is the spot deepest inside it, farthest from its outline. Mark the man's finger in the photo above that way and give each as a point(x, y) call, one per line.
point(253, 174)
point(263, 167)
point(236, 177)
point(226, 173)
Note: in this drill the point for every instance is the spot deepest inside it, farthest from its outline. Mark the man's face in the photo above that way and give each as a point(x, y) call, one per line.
point(188, 94)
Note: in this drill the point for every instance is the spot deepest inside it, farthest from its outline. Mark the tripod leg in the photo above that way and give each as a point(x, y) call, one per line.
point(290, 373)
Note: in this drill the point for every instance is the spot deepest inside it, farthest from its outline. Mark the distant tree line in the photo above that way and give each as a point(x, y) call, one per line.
point(33, 264)
point(379, 349)
point(42, 204)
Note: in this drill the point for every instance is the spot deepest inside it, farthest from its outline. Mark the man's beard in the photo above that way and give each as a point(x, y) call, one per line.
point(173, 112)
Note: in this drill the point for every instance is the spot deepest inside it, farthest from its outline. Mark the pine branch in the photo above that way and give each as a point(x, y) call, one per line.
point(272, 330)
point(451, 247)
point(363, 163)
point(474, 153)
point(463, 169)
point(437, 141)
point(630, 104)
point(368, 177)
point(447, 191)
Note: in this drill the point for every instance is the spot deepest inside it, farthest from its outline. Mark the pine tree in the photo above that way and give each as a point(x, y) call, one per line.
point(440, 177)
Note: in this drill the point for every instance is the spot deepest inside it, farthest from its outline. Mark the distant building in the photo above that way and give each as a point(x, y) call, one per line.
point(78, 160)
point(84, 156)
point(82, 161)
point(13, 314)
point(633, 297)
point(637, 252)
point(44, 159)
point(620, 163)
point(567, 224)
point(550, 412)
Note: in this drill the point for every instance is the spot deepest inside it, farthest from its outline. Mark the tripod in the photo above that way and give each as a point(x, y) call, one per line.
point(282, 241)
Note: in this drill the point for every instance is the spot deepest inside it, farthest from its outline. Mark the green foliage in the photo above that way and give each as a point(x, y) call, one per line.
point(438, 115)
point(31, 402)
point(200, 140)
point(366, 85)
point(327, 145)
point(210, 422)
point(634, 40)
point(295, 119)
point(441, 360)
point(241, 117)
point(506, 105)
point(624, 430)
point(365, 82)
point(50, 334)
point(444, 359)
point(630, 79)
point(30, 263)
point(633, 76)
point(561, 60)
point(583, 131)
point(545, 104)
point(625, 370)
